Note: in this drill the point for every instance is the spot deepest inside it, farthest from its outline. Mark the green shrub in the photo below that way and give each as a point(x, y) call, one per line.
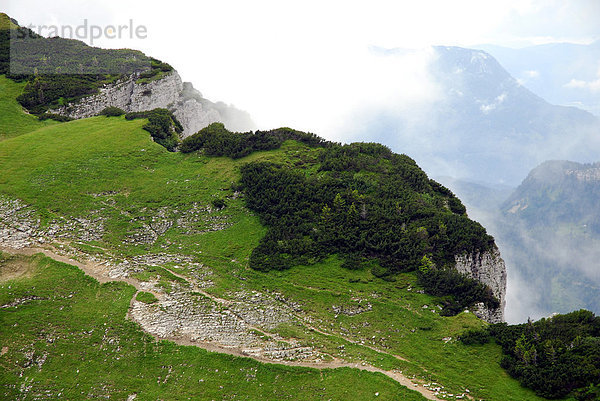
point(463, 291)
point(475, 336)
point(162, 126)
point(112, 112)
point(353, 262)
point(589, 393)
point(55, 117)
point(146, 297)
point(219, 204)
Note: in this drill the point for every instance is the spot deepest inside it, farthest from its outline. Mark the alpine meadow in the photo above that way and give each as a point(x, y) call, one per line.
point(155, 245)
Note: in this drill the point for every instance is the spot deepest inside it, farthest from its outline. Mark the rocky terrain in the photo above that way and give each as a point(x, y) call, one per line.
point(184, 311)
point(488, 268)
point(244, 321)
point(189, 106)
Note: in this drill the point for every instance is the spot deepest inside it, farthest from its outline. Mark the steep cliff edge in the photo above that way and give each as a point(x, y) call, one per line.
point(189, 106)
point(489, 269)
point(123, 78)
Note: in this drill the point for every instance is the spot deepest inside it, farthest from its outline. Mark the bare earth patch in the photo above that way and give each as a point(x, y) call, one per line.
point(15, 268)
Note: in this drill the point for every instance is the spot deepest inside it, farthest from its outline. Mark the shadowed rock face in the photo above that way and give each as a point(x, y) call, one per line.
point(191, 109)
point(489, 269)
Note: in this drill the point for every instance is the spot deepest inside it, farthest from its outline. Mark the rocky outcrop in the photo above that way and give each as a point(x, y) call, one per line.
point(589, 174)
point(238, 323)
point(189, 106)
point(489, 269)
point(20, 225)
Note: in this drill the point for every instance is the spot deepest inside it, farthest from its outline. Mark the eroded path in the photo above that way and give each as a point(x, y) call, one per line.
point(101, 271)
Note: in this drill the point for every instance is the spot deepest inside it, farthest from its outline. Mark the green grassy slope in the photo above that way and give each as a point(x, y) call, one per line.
point(6, 23)
point(398, 324)
point(109, 168)
point(67, 338)
point(13, 120)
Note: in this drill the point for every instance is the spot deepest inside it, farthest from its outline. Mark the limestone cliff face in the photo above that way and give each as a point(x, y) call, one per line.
point(191, 109)
point(488, 268)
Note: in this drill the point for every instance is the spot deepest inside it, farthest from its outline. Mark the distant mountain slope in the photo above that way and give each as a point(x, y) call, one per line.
point(477, 195)
point(562, 73)
point(549, 233)
point(549, 228)
point(560, 192)
point(486, 126)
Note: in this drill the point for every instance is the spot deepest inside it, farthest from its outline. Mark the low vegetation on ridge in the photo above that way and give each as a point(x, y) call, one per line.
point(360, 201)
point(58, 71)
point(353, 244)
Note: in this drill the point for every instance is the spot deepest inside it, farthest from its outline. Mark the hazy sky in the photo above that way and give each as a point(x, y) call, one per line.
point(307, 63)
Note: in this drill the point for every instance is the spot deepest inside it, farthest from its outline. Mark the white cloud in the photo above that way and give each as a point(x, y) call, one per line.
point(593, 86)
point(531, 74)
point(527, 76)
point(487, 108)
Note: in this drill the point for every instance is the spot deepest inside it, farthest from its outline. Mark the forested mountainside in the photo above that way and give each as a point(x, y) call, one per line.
point(556, 208)
point(547, 229)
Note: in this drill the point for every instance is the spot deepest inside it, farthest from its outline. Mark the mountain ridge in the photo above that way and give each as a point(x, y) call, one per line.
point(152, 218)
point(484, 126)
point(278, 245)
point(562, 73)
point(111, 78)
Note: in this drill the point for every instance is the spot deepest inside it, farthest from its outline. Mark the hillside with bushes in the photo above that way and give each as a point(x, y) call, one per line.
point(255, 265)
point(180, 226)
point(69, 70)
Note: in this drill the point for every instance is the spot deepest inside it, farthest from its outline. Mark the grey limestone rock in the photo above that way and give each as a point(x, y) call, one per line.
point(187, 104)
point(487, 268)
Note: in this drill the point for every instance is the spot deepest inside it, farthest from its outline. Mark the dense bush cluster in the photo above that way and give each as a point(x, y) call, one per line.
point(475, 336)
point(162, 126)
point(366, 203)
point(58, 71)
point(460, 291)
point(219, 204)
point(112, 112)
point(555, 357)
point(216, 140)
point(55, 117)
